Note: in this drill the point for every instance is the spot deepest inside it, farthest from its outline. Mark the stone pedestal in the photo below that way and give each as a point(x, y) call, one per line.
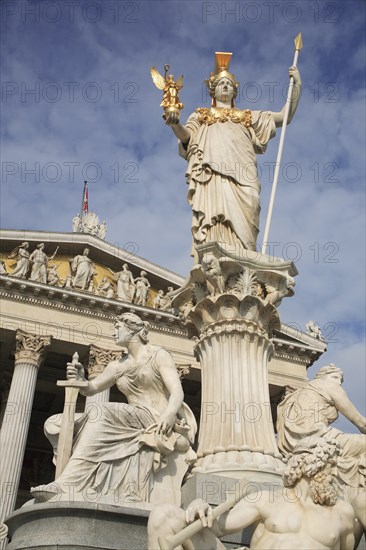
point(29, 352)
point(230, 305)
point(77, 525)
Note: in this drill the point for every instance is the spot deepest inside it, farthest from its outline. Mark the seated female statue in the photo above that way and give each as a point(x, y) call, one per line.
point(134, 452)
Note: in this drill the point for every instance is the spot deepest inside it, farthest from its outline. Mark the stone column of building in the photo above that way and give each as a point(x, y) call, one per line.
point(29, 353)
point(98, 360)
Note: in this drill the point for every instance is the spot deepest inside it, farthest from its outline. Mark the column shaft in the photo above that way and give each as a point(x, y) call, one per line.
point(14, 432)
point(29, 352)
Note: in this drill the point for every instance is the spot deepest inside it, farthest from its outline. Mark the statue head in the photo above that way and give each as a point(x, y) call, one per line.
point(330, 371)
point(86, 252)
point(314, 458)
point(222, 76)
point(40, 246)
point(134, 325)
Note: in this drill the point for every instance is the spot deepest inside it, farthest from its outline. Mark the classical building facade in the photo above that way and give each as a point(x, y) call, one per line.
point(62, 298)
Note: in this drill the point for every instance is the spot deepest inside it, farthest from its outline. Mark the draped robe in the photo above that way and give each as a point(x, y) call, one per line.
point(223, 179)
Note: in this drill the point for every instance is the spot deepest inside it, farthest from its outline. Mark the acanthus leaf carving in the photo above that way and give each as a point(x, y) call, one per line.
point(30, 347)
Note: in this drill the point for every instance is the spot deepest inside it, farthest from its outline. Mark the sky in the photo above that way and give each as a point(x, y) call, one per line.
point(78, 102)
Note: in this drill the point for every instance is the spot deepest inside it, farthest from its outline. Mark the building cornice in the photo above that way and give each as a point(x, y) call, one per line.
point(84, 303)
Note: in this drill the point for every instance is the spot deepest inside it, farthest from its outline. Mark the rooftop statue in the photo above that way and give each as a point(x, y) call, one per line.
point(105, 288)
point(289, 518)
point(142, 289)
point(119, 454)
point(22, 266)
point(220, 144)
point(39, 261)
point(83, 268)
point(125, 284)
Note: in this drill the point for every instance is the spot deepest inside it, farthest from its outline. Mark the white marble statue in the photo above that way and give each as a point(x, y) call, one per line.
point(163, 301)
point(314, 330)
point(105, 289)
point(84, 270)
point(214, 277)
point(102, 230)
point(134, 452)
point(125, 284)
point(274, 295)
point(76, 225)
point(22, 266)
point(52, 276)
point(220, 145)
point(90, 223)
point(158, 300)
point(312, 410)
point(166, 302)
point(305, 514)
point(39, 261)
point(142, 289)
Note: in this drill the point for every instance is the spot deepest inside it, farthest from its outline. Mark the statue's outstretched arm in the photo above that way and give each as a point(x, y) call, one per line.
point(241, 516)
point(296, 92)
point(179, 130)
point(103, 381)
point(347, 408)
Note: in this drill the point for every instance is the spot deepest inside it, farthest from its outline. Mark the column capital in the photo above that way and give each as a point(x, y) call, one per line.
point(222, 274)
point(30, 348)
point(99, 359)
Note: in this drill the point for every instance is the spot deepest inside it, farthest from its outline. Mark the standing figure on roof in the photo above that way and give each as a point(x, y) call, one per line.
point(84, 270)
point(39, 261)
point(125, 284)
point(220, 144)
point(142, 289)
point(21, 268)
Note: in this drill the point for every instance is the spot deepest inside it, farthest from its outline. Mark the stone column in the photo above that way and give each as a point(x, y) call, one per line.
point(230, 306)
point(98, 360)
point(29, 353)
point(236, 429)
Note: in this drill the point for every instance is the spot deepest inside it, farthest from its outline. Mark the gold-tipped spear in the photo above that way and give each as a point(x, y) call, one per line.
point(298, 46)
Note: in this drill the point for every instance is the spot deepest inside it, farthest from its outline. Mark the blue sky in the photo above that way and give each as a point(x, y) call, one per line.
point(94, 112)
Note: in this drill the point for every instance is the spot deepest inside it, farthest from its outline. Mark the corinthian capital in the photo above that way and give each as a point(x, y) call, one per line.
point(31, 348)
point(99, 359)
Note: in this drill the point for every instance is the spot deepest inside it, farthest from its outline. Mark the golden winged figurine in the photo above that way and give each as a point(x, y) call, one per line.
point(171, 102)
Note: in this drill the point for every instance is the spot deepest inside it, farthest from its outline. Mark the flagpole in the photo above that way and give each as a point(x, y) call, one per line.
point(298, 46)
point(82, 207)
